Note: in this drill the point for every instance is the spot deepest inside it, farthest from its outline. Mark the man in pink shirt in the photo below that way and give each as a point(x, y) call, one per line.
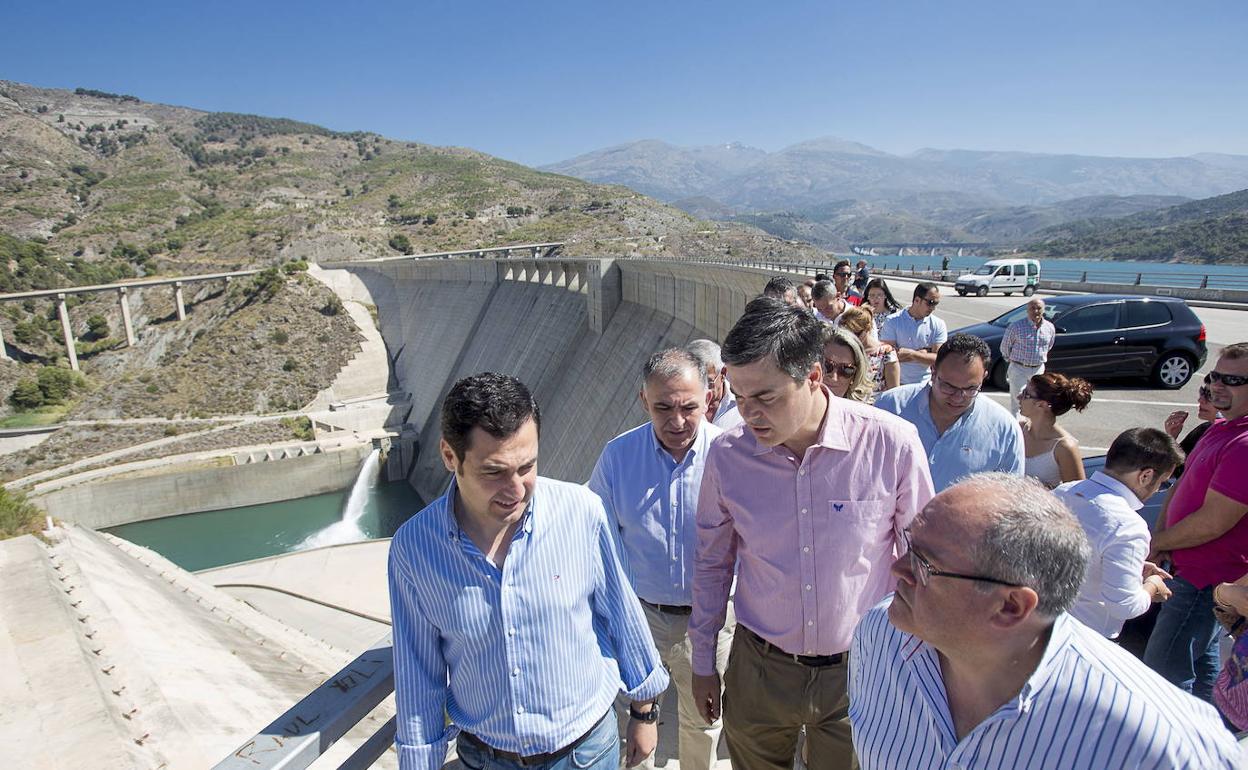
point(808, 499)
point(1206, 534)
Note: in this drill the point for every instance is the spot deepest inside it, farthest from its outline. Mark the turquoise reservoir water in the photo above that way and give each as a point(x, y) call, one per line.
point(1155, 273)
point(197, 541)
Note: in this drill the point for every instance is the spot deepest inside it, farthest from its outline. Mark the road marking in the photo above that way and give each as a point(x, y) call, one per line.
point(1006, 396)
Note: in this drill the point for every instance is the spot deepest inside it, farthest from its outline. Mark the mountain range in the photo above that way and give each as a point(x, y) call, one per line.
point(833, 191)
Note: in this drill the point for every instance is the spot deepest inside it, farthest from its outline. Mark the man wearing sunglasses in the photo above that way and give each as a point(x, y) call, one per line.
point(916, 333)
point(843, 277)
point(974, 661)
point(1203, 529)
point(963, 430)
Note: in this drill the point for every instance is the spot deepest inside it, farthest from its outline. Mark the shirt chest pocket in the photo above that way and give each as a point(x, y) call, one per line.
point(867, 519)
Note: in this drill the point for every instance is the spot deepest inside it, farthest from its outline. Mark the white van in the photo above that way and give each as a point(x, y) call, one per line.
point(1004, 275)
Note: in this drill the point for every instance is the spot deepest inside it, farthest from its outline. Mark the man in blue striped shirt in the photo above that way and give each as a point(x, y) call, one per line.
point(511, 610)
point(648, 479)
point(974, 663)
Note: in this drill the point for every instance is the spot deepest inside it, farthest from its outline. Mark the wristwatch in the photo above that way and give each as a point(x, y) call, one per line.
point(650, 717)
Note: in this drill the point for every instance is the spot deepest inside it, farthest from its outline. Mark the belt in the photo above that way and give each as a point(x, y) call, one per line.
point(668, 609)
point(532, 759)
point(812, 661)
point(1029, 366)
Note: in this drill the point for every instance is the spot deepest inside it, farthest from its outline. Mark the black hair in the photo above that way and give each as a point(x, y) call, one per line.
point(966, 347)
point(498, 404)
point(890, 304)
point(772, 327)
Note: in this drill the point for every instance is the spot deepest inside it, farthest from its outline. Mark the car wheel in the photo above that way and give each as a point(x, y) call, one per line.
point(998, 377)
point(1173, 370)
point(961, 292)
point(1029, 291)
point(983, 291)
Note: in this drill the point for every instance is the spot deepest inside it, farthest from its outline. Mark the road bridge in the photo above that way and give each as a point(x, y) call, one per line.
point(934, 248)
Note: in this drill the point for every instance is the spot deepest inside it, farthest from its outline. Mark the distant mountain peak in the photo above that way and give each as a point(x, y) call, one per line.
point(834, 144)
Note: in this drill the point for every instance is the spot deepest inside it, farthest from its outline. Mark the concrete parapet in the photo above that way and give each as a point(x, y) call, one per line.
point(282, 474)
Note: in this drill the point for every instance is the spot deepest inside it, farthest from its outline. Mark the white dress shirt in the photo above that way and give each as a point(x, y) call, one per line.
point(1113, 588)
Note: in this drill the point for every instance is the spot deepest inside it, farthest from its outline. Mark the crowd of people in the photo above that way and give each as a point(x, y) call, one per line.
point(839, 552)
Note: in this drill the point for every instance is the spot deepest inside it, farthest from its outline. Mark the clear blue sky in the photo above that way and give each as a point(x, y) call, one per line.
point(537, 81)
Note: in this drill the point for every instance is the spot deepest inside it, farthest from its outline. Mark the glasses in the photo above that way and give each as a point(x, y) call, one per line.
point(1229, 380)
point(930, 302)
point(1025, 395)
point(968, 392)
point(1205, 393)
point(924, 571)
point(846, 371)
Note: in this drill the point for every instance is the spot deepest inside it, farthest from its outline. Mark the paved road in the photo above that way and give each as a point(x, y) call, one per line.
point(1117, 404)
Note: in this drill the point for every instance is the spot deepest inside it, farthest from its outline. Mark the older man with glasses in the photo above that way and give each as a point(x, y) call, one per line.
point(1203, 529)
point(916, 333)
point(974, 662)
point(963, 430)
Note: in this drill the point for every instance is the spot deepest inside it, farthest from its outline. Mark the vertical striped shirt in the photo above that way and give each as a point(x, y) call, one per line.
point(652, 502)
point(528, 657)
point(1026, 344)
point(1089, 705)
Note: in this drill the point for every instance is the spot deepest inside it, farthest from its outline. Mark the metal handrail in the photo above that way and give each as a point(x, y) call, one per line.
point(300, 736)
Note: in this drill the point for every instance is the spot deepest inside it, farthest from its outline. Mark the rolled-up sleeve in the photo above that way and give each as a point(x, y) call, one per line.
point(616, 605)
point(713, 563)
point(420, 684)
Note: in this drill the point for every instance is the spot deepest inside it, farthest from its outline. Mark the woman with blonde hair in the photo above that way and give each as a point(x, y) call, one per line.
point(845, 367)
point(1051, 453)
point(882, 359)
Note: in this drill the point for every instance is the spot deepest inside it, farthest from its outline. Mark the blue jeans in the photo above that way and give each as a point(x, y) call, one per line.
point(599, 751)
point(1184, 645)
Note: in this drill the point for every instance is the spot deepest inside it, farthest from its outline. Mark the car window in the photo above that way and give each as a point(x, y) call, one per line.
point(985, 270)
point(1094, 318)
point(1020, 270)
point(1144, 314)
point(1051, 311)
point(1033, 269)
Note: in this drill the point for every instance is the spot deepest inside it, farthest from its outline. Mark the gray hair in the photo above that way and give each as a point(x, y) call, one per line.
point(707, 353)
point(863, 384)
point(671, 363)
point(822, 289)
point(769, 327)
point(1032, 539)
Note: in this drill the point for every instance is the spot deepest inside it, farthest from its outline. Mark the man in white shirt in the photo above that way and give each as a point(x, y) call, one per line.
point(722, 410)
point(1120, 584)
point(974, 662)
point(828, 303)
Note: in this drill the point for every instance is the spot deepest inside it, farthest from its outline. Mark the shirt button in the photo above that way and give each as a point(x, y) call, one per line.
point(803, 510)
point(808, 586)
point(802, 472)
point(810, 622)
point(805, 549)
point(519, 709)
point(511, 632)
point(515, 672)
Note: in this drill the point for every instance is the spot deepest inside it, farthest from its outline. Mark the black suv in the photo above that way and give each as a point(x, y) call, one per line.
point(1111, 335)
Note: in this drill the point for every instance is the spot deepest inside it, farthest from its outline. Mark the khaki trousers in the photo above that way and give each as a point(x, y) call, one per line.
point(767, 699)
point(697, 741)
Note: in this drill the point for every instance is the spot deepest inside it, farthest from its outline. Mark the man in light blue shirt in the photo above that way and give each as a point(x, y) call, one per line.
point(916, 333)
point(722, 409)
point(648, 479)
point(511, 610)
point(963, 430)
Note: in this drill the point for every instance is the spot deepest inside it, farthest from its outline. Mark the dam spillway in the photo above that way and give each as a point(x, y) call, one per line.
point(576, 331)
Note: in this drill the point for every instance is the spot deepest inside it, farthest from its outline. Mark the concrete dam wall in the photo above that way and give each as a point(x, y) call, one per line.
point(576, 331)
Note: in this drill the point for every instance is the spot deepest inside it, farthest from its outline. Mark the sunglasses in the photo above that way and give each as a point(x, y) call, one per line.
point(1229, 380)
point(842, 370)
point(842, 275)
point(930, 302)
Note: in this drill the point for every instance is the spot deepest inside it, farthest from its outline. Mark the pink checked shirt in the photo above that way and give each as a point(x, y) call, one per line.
point(812, 539)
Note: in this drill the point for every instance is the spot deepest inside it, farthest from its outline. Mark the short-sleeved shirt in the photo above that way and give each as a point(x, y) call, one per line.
point(1219, 461)
point(985, 438)
point(907, 332)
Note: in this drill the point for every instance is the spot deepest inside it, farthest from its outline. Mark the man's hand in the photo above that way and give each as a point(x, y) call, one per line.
point(905, 355)
point(640, 740)
point(706, 696)
point(1156, 588)
point(1151, 569)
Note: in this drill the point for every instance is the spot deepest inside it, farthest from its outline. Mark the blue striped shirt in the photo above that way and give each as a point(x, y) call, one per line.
point(1089, 705)
point(534, 653)
point(985, 437)
point(653, 502)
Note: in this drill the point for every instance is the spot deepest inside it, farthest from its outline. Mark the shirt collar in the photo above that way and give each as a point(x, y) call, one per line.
point(451, 524)
point(1118, 488)
point(832, 430)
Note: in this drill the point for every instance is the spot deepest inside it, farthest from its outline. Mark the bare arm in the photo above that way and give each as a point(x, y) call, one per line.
point(892, 375)
point(1211, 520)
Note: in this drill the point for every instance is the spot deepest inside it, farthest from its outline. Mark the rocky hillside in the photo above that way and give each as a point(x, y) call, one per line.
point(98, 187)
